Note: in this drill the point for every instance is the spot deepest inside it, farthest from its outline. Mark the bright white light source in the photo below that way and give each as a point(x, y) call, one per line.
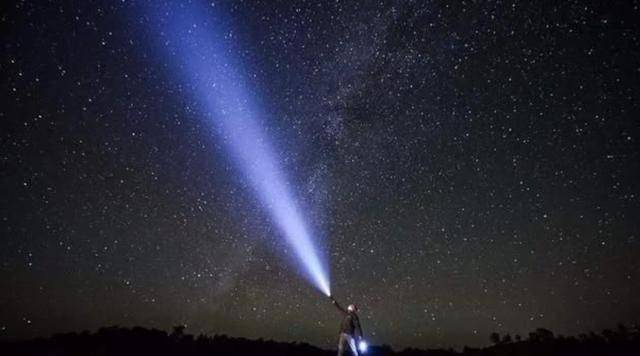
point(362, 346)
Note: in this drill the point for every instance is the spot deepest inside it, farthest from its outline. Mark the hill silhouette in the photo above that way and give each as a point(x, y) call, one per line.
point(116, 340)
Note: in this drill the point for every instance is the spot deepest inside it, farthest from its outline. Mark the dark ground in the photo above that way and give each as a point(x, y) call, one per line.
point(140, 341)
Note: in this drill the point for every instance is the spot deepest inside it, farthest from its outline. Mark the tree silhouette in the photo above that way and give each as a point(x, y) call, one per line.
point(495, 338)
point(506, 339)
point(178, 331)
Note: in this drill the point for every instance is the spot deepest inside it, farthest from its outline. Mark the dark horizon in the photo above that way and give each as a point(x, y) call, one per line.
point(120, 341)
point(465, 168)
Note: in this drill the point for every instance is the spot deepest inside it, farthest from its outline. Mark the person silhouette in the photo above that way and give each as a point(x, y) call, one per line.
point(350, 329)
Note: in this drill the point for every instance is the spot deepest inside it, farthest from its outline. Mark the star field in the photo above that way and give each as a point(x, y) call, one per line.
point(468, 167)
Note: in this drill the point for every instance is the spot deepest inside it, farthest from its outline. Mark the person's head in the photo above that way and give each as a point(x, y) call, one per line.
point(352, 308)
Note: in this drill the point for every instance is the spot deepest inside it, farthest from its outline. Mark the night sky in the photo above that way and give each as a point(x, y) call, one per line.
point(467, 167)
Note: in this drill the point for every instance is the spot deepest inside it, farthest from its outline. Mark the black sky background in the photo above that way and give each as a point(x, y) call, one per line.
point(471, 167)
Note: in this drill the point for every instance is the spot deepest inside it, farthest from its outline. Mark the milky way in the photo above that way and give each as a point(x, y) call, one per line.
point(472, 167)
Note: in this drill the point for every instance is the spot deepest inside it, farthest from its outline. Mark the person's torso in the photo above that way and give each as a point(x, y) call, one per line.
point(348, 324)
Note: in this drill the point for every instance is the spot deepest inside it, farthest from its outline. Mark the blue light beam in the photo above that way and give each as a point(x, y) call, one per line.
point(193, 40)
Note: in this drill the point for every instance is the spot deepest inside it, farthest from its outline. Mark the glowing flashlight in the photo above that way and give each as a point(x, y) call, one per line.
point(362, 346)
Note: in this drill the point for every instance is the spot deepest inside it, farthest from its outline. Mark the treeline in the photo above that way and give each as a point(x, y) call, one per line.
point(140, 341)
point(621, 341)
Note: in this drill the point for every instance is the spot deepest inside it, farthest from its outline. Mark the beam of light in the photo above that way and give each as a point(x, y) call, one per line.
point(197, 46)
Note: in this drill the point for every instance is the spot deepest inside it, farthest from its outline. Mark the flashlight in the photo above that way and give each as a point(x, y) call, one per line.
point(362, 346)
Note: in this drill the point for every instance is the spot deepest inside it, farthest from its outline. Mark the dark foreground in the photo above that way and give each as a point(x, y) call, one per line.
point(141, 341)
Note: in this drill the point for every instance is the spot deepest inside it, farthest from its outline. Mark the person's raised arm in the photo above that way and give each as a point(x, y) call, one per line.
point(335, 302)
